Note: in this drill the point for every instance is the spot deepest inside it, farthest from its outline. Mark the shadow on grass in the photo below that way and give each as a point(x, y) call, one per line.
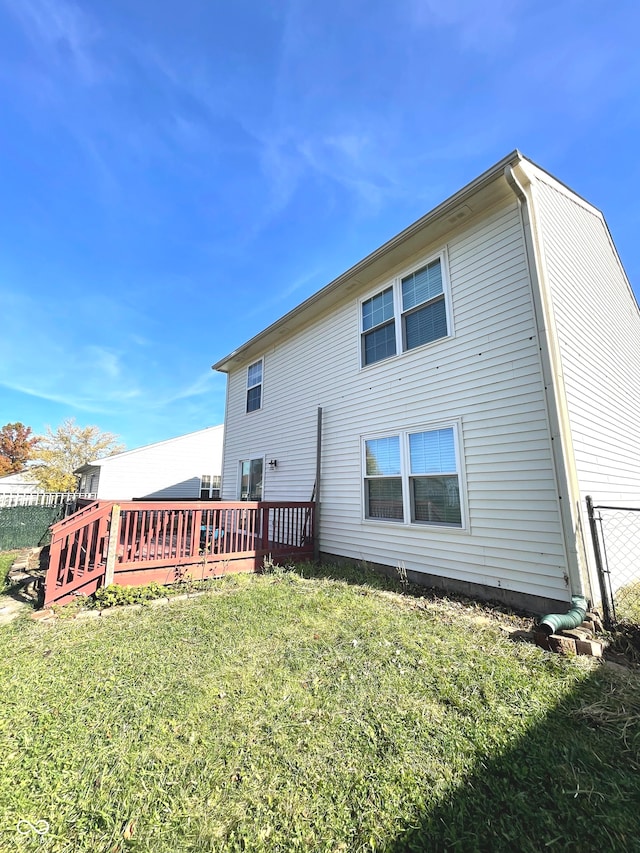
point(571, 784)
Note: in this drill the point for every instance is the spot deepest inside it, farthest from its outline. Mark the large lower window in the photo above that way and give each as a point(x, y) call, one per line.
point(408, 313)
point(251, 480)
point(383, 481)
point(413, 476)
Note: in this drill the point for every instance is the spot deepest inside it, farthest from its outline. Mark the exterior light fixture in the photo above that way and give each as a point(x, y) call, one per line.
point(273, 464)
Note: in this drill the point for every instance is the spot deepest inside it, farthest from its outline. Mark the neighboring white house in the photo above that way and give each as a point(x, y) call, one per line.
point(18, 484)
point(478, 375)
point(186, 467)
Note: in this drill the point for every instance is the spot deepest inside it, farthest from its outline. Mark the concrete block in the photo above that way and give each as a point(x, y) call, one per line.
point(156, 602)
point(108, 611)
point(579, 633)
point(85, 615)
point(562, 645)
point(590, 616)
point(594, 648)
point(542, 639)
point(41, 615)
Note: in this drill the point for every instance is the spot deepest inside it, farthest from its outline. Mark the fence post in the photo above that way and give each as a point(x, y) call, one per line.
point(114, 536)
point(606, 607)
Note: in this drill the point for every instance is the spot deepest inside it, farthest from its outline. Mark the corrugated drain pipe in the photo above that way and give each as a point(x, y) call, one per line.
point(563, 621)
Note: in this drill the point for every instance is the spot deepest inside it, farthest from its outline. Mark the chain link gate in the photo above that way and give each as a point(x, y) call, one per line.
point(615, 532)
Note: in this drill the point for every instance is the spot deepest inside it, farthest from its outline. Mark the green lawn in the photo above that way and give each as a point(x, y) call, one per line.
point(6, 561)
point(284, 713)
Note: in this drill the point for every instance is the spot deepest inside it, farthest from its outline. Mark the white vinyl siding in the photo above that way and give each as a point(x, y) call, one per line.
point(488, 377)
point(597, 327)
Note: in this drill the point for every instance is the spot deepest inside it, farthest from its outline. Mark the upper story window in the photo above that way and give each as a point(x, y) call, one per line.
point(408, 313)
point(254, 386)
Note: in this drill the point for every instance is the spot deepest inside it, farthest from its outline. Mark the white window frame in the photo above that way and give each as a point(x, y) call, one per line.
point(399, 314)
point(251, 386)
point(210, 487)
point(406, 476)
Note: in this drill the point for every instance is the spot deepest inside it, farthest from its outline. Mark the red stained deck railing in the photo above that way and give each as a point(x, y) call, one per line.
point(132, 543)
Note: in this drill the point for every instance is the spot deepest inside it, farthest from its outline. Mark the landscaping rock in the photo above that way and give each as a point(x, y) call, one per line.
point(597, 621)
point(108, 611)
point(577, 633)
point(43, 615)
point(562, 645)
point(84, 615)
point(555, 643)
point(594, 648)
point(156, 602)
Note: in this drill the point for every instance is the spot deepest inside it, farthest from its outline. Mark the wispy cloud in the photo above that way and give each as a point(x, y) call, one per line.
point(65, 33)
point(480, 26)
point(202, 384)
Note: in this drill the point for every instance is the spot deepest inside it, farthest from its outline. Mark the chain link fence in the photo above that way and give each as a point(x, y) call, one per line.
point(616, 541)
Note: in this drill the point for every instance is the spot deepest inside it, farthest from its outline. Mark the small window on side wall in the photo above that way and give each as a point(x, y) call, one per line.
point(254, 386)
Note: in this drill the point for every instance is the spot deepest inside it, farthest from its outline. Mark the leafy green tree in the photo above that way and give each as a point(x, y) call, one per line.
point(17, 445)
point(61, 452)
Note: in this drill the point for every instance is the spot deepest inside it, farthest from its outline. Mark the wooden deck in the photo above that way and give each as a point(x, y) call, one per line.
point(132, 543)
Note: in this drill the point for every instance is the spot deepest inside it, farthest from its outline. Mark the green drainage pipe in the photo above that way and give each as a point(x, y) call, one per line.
point(563, 621)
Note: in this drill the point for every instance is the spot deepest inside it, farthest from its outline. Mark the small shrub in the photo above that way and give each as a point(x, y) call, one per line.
point(627, 603)
point(115, 596)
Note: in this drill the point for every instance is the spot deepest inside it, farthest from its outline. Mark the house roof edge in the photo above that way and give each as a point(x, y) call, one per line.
point(495, 172)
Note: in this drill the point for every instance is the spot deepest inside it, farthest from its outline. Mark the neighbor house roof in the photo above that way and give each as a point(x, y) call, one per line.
point(96, 463)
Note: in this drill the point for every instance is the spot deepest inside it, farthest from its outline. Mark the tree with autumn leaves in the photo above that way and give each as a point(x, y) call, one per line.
point(17, 446)
point(54, 456)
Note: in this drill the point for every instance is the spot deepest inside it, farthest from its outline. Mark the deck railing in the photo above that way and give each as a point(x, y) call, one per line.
point(136, 543)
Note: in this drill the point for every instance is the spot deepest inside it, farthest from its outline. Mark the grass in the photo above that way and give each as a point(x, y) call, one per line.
point(627, 603)
point(6, 561)
point(286, 713)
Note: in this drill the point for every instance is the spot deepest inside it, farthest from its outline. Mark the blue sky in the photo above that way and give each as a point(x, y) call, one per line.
point(176, 176)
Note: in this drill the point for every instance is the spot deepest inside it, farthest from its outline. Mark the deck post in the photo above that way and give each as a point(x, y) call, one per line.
point(316, 515)
point(114, 536)
point(264, 529)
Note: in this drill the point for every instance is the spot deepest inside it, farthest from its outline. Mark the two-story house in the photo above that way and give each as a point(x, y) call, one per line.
point(455, 395)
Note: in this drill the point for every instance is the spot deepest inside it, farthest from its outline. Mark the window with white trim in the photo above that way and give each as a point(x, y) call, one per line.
point(409, 312)
point(254, 386)
point(250, 487)
point(414, 476)
point(210, 487)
